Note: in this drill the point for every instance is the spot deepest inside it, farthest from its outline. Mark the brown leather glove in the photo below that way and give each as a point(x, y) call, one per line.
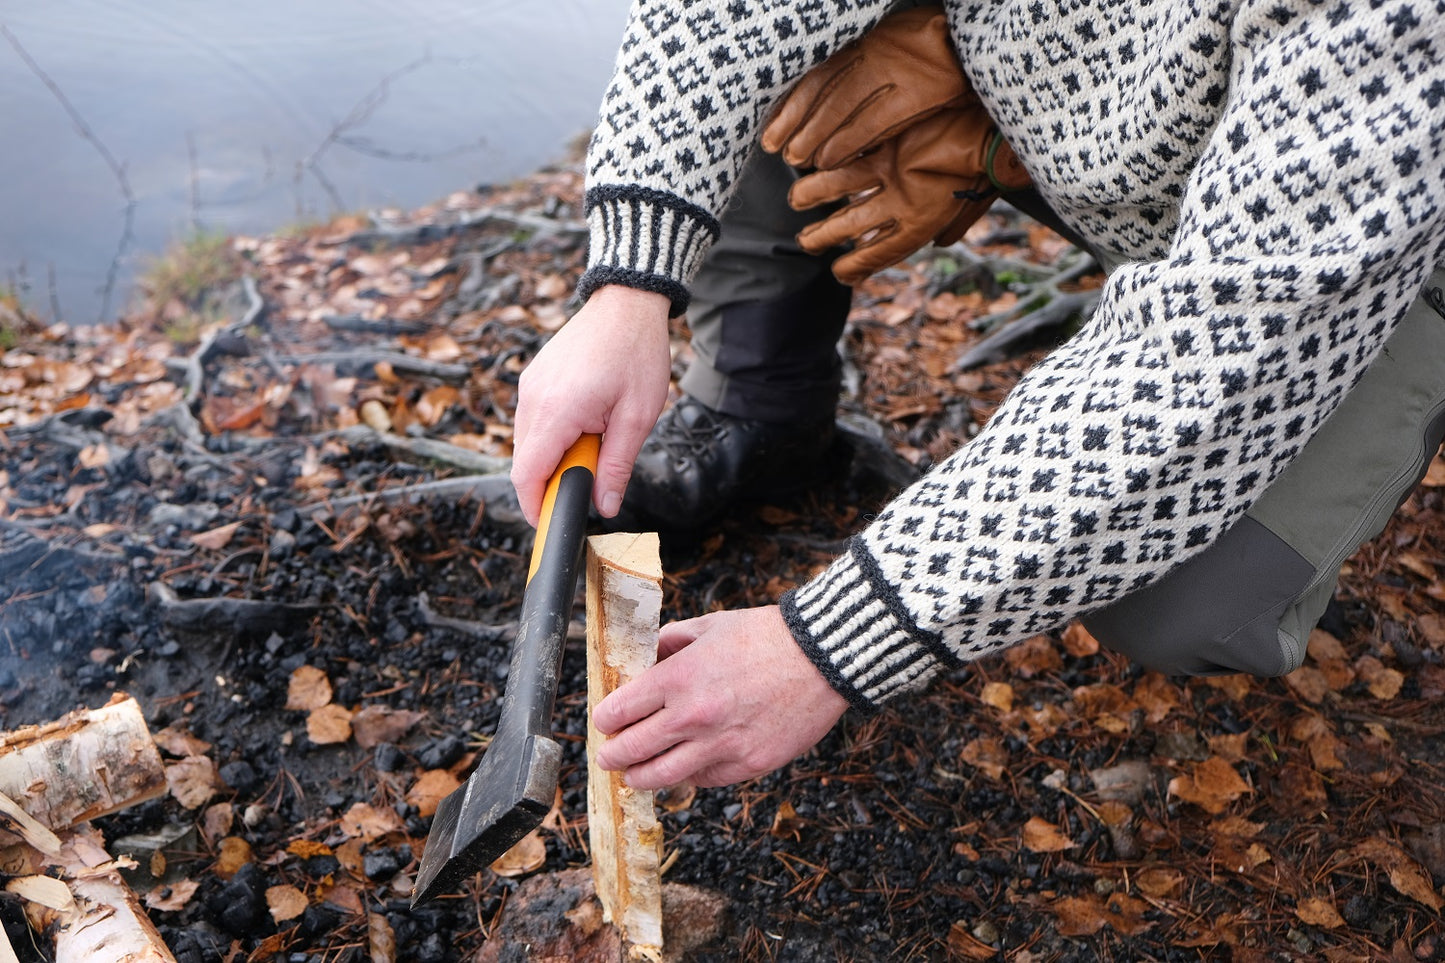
point(900, 72)
point(931, 182)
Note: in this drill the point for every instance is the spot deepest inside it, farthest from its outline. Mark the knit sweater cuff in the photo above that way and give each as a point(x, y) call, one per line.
point(853, 627)
point(645, 239)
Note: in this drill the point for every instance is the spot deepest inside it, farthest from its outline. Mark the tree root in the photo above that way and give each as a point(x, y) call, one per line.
point(1045, 307)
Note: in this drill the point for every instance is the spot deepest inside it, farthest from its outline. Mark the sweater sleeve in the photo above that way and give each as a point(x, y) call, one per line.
point(1311, 222)
point(692, 85)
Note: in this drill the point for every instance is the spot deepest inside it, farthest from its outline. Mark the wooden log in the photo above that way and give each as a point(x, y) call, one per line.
point(624, 605)
point(106, 924)
point(90, 763)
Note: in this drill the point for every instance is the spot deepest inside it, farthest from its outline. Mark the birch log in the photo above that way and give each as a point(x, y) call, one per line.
point(87, 764)
point(624, 604)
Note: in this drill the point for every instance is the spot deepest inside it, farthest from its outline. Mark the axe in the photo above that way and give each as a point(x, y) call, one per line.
point(516, 783)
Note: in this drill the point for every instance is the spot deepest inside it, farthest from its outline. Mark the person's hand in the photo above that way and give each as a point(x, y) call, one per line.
point(606, 371)
point(733, 697)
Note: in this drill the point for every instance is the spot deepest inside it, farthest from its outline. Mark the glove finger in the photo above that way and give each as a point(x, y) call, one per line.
point(847, 225)
point(817, 133)
point(823, 187)
point(875, 121)
point(802, 104)
point(883, 249)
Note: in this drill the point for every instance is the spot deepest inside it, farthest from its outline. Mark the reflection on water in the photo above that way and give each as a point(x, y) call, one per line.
point(128, 124)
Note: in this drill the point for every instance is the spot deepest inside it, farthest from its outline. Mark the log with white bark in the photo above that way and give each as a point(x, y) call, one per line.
point(624, 605)
point(90, 763)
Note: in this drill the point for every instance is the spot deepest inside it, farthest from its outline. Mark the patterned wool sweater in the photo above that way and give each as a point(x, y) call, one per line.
point(1271, 171)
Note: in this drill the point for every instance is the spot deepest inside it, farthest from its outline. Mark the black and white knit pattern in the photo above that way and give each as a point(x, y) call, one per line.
point(1272, 171)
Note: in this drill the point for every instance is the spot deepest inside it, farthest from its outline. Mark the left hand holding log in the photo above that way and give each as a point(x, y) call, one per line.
point(731, 697)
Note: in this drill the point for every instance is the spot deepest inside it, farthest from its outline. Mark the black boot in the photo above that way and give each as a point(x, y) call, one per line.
point(698, 463)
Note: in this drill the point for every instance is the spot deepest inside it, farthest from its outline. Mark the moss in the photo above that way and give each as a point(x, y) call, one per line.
point(191, 269)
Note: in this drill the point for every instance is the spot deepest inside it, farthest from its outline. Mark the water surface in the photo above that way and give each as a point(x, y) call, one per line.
point(130, 124)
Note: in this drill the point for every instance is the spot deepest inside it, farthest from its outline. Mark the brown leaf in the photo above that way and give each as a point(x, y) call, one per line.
point(307, 848)
point(962, 943)
point(192, 781)
point(372, 725)
point(217, 821)
point(179, 742)
point(1159, 882)
point(217, 538)
point(1405, 874)
point(1314, 732)
point(375, 416)
point(235, 853)
point(1212, 786)
point(1384, 683)
point(527, 856)
point(1079, 915)
point(329, 725)
point(1324, 647)
point(381, 937)
point(366, 822)
point(1157, 696)
point(1126, 914)
point(427, 793)
point(1317, 911)
point(785, 822)
point(1308, 683)
point(309, 689)
point(285, 902)
point(1000, 695)
point(432, 406)
point(1078, 642)
point(1034, 656)
point(987, 755)
point(1041, 836)
point(177, 896)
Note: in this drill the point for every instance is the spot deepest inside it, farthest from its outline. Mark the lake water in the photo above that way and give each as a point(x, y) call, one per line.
point(126, 125)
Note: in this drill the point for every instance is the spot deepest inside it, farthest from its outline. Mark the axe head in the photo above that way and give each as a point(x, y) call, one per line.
point(504, 799)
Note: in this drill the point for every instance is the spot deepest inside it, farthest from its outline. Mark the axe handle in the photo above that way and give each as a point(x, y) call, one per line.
point(531, 687)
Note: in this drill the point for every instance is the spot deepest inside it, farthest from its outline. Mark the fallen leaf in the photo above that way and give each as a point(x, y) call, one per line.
point(285, 902)
point(308, 689)
point(1125, 782)
point(367, 822)
point(1384, 683)
point(381, 937)
point(375, 416)
point(93, 456)
point(1079, 915)
point(785, 822)
point(432, 406)
point(1317, 911)
point(192, 780)
point(329, 725)
point(217, 821)
point(372, 725)
point(1126, 914)
point(987, 755)
point(964, 944)
point(1321, 646)
point(1000, 695)
point(235, 853)
point(1042, 836)
point(307, 848)
point(1212, 786)
point(172, 898)
point(675, 799)
point(1404, 873)
point(1159, 882)
point(1078, 642)
point(1314, 732)
point(217, 538)
point(427, 793)
point(527, 856)
point(1034, 656)
point(1308, 683)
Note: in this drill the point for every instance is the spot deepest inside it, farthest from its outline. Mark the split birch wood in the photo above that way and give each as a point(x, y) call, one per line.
point(107, 923)
point(90, 763)
point(624, 606)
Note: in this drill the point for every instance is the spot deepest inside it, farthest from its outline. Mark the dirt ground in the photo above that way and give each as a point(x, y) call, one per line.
point(272, 507)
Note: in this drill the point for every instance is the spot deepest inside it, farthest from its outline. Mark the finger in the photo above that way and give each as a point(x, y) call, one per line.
point(823, 187)
point(676, 636)
point(532, 467)
point(629, 704)
point(678, 764)
point(849, 224)
point(638, 743)
point(627, 429)
point(802, 103)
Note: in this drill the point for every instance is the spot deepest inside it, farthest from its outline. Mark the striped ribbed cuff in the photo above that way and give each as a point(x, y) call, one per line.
point(853, 627)
point(645, 239)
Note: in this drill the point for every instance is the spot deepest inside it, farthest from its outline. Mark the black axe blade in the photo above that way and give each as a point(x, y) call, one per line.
point(514, 787)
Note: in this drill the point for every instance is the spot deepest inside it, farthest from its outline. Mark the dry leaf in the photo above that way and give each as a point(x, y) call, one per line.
point(217, 821)
point(329, 725)
point(434, 404)
point(1315, 733)
point(1308, 683)
point(235, 853)
point(964, 944)
point(285, 902)
point(1079, 915)
point(1078, 642)
point(192, 780)
point(786, 822)
point(1041, 836)
point(93, 456)
point(172, 898)
point(1384, 683)
point(179, 742)
point(374, 415)
point(381, 938)
point(1159, 882)
point(309, 689)
point(1319, 912)
point(217, 538)
point(1405, 874)
point(372, 725)
point(526, 857)
point(367, 822)
point(427, 793)
point(987, 755)
point(675, 799)
point(1212, 786)
point(1000, 695)
point(307, 848)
